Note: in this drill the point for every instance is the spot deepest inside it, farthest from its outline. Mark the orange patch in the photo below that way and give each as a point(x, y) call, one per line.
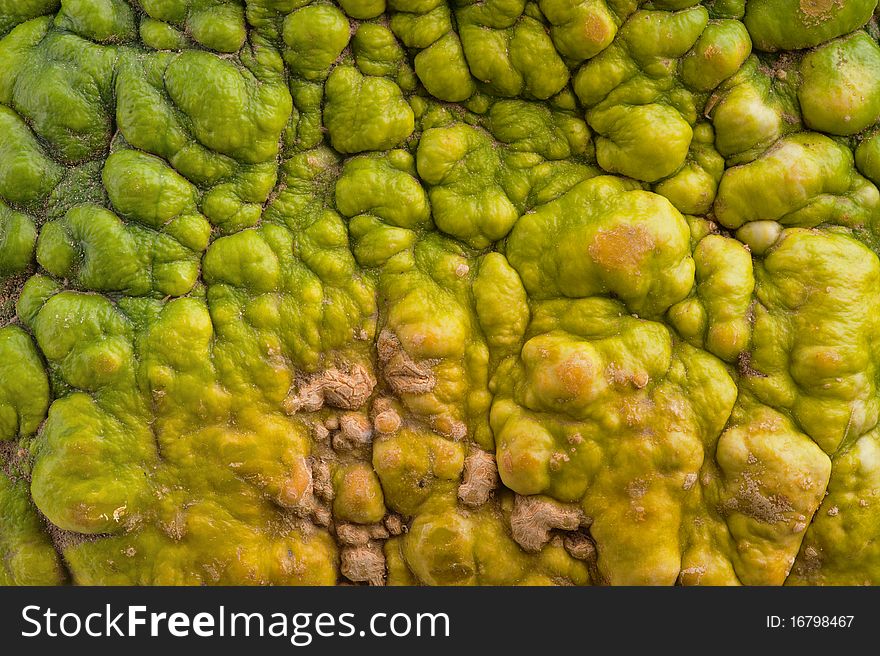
point(622, 248)
point(819, 8)
point(596, 30)
point(576, 375)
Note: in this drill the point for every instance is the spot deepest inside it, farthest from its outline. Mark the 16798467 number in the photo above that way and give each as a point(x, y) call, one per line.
point(810, 621)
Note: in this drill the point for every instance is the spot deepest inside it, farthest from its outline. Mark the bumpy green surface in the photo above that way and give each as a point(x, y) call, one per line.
point(439, 292)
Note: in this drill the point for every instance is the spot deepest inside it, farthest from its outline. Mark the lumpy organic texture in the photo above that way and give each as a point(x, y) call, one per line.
point(439, 292)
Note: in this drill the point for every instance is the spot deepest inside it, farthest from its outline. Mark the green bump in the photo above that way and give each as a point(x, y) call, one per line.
point(231, 112)
point(144, 187)
point(98, 251)
point(161, 36)
point(805, 180)
point(243, 260)
point(443, 70)
point(24, 388)
point(27, 554)
point(315, 36)
point(60, 84)
point(717, 317)
point(386, 186)
point(171, 11)
point(840, 88)
point(645, 143)
point(719, 53)
point(533, 127)
point(363, 9)
point(532, 53)
point(105, 21)
point(867, 157)
point(364, 112)
point(605, 236)
point(580, 30)
point(13, 12)
point(796, 24)
point(26, 173)
point(376, 50)
point(221, 27)
point(419, 28)
point(819, 375)
point(18, 237)
point(463, 170)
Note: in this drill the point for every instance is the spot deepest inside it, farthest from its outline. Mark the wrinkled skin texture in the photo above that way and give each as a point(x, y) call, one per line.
point(439, 292)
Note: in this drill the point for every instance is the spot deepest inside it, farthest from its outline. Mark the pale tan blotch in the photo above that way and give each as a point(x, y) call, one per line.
point(579, 545)
point(453, 428)
point(346, 389)
point(322, 516)
point(175, 528)
point(322, 480)
point(356, 427)
point(308, 398)
point(394, 524)
point(358, 535)
point(364, 564)
point(480, 478)
point(355, 431)
point(297, 491)
point(402, 373)
point(353, 535)
point(534, 517)
point(320, 432)
point(386, 418)
point(378, 531)
point(350, 389)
